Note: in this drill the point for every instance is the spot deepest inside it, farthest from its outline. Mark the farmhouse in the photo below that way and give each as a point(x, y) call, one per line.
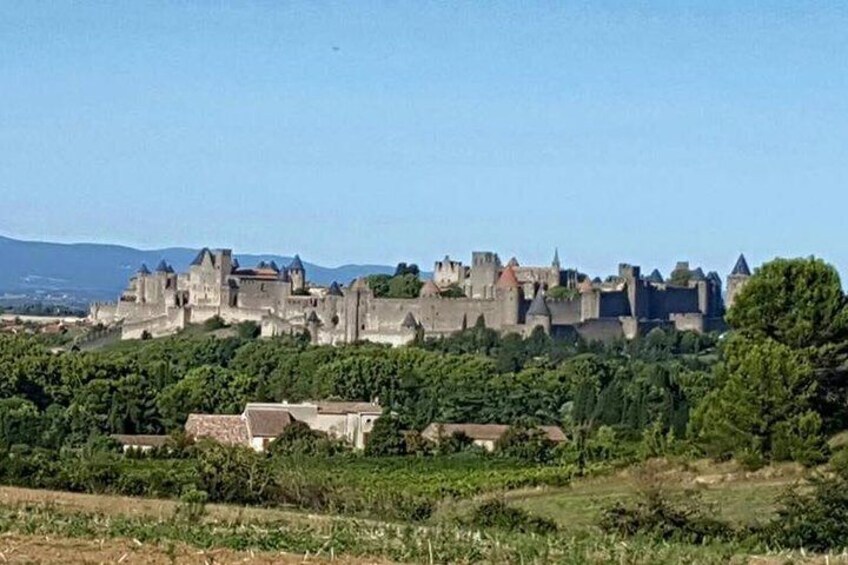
point(483, 435)
point(261, 423)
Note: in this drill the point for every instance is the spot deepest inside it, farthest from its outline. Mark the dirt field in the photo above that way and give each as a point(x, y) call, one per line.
point(19, 548)
point(15, 548)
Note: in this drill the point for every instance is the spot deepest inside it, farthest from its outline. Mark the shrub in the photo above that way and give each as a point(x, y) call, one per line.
point(248, 330)
point(299, 439)
point(656, 515)
point(416, 444)
point(90, 471)
point(233, 473)
point(801, 440)
point(386, 438)
point(192, 506)
point(495, 513)
point(457, 442)
point(528, 444)
point(814, 517)
point(214, 323)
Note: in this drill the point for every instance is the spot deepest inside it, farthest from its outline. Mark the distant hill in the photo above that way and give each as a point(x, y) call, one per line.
point(82, 272)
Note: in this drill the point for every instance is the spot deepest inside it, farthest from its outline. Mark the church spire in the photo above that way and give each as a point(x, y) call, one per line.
point(555, 262)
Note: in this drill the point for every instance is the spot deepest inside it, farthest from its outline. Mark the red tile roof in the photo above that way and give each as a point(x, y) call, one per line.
point(348, 408)
point(483, 432)
point(129, 440)
point(507, 279)
point(226, 429)
point(267, 422)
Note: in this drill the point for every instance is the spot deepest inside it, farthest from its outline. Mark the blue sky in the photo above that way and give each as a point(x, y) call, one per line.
point(379, 132)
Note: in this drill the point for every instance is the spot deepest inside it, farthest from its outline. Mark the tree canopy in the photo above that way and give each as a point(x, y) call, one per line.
point(797, 302)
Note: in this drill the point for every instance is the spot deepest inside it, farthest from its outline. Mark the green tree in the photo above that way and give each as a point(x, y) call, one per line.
point(379, 285)
point(680, 277)
point(563, 293)
point(208, 389)
point(298, 439)
point(405, 286)
point(761, 407)
point(386, 438)
point(525, 443)
point(20, 422)
point(797, 302)
point(410, 269)
point(453, 291)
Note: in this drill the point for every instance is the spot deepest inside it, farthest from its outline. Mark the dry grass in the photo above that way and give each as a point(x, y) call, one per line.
point(20, 548)
point(141, 507)
point(17, 548)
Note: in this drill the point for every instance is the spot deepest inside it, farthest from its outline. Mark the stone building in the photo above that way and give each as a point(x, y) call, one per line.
point(484, 436)
point(262, 423)
point(737, 279)
point(507, 298)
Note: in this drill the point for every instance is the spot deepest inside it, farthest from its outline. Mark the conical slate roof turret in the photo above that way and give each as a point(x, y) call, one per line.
point(697, 275)
point(200, 255)
point(334, 290)
point(741, 267)
point(163, 267)
point(296, 264)
point(539, 307)
point(409, 322)
point(512, 263)
point(656, 277)
point(143, 270)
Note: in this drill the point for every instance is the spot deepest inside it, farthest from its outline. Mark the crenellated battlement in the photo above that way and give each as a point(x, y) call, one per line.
point(508, 297)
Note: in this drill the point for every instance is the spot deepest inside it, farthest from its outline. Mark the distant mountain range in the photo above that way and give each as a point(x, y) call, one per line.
point(79, 273)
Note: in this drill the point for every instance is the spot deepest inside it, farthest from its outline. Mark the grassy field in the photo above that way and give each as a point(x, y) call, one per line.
point(49, 527)
point(38, 526)
point(736, 495)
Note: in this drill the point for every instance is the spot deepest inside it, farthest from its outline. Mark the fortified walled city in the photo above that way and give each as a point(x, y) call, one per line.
point(507, 298)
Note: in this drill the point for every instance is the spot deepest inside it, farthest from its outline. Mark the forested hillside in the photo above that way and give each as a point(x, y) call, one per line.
point(771, 390)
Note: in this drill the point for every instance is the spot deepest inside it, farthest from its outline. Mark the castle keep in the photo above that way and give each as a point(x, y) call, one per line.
point(507, 298)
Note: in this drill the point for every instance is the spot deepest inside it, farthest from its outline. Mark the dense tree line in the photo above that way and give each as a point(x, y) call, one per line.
point(773, 388)
point(476, 376)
